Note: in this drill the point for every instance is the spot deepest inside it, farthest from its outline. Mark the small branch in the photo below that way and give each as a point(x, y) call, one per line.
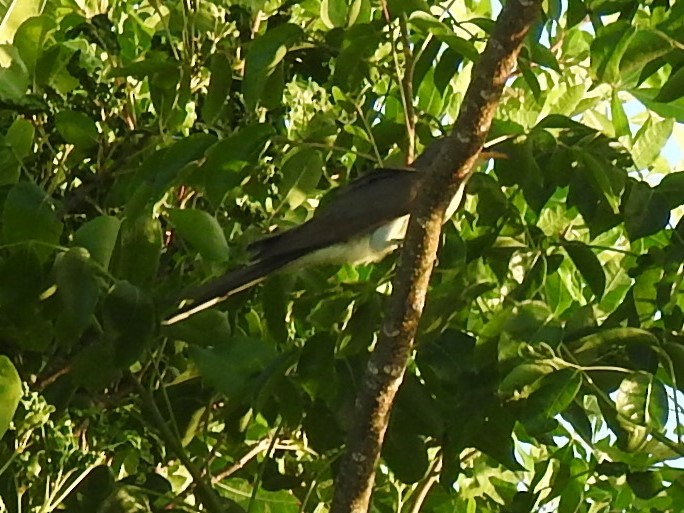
point(452, 166)
point(407, 86)
point(254, 451)
point(262, 469)
point(404, 80)
point(426, 485)
point(205, 493)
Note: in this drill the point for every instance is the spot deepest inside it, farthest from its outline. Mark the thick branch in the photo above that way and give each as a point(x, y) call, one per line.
point(388, 362)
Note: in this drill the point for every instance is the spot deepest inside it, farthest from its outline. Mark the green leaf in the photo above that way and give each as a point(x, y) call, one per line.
point(232, 369)
point(674, 109)
point(302, 170)
point(620, 121)
point(417, 409)
point(10, 393)
point(590, 348)
point(262, 58)
point(14, 79)
point(164, 74)
point(139, 247)
point(334, 13)
point(21, 280)
point(218, 90)
point(208, 327)
point(641, 400)
point(162, 170)
point(588, 265)
point(523, 502)
point(77, 129)
point(430, 99)
point(608, 48)
point(99, 236)
point(447, 357)
point(29, 215)
point(20, 138)
point(405, 454)
point(521, 381)
point(202, 231)
point(644, 47)
point(129, 322)
point(645, 485)
point(673, 89)
point(675, 352)
point(274, 301)
point(77, 288)
point(646, 211)
point(428, 24)
point(649, 141)
point(671, 188)
point(399, 7)
point(30, 40)
point(555, 392)
point(220, 171)
point(533, 321)
point(18, 11)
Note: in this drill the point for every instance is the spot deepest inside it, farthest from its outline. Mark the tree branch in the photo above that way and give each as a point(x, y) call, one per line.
point(205, 493)
point(453, 164)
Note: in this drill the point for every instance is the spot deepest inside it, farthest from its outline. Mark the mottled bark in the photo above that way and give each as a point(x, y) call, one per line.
point(388, 362)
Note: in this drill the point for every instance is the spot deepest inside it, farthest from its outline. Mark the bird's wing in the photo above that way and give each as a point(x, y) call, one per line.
point(353, 210)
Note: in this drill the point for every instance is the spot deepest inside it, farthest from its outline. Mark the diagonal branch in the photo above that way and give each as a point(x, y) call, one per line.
point(452, 165)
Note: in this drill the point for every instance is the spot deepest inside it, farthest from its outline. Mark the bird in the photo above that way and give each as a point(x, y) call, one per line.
point(358, 223)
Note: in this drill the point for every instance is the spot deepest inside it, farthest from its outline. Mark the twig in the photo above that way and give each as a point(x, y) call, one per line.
point(254, 451)
point(205, 492)
point(426, 485)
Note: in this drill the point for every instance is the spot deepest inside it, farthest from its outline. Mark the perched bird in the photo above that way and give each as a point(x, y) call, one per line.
point(362, 222)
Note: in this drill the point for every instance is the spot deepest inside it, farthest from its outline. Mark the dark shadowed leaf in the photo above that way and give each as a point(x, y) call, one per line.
point(219, 87)
point(302, 170)
point(129, 322)
point(588, 265)
point(76, 128)
point(608, 48)
point(77, 288)
point(673, 88)
point(406, 454)
point(263, 57)
point(29, 215)
point(232, 369)
point(136, 258)
point(555, 393)
point(99, 236)
point(646, 211)
point(645, 485)
point(221, 170)
point(671, 189)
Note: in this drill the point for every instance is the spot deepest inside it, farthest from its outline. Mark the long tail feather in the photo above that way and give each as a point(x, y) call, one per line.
point(215, 291)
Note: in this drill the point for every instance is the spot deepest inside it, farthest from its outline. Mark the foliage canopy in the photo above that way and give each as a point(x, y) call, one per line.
point(143, 145)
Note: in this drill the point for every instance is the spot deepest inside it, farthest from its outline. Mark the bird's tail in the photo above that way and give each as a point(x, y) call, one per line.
point(211, 293)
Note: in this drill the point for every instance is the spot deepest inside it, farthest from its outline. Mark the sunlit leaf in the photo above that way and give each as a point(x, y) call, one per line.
point(10, 392)
point(202, 231)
